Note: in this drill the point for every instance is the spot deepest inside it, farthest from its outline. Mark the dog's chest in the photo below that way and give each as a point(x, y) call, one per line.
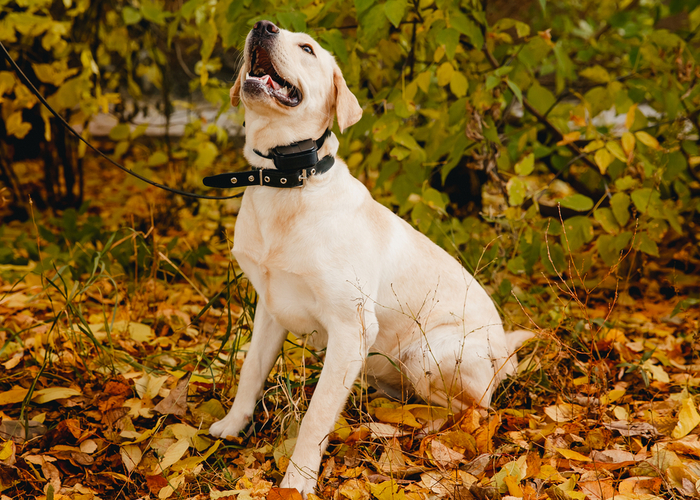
point(280, 274)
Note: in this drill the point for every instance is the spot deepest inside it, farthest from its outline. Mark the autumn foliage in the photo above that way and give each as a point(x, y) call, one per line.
point(551, 146)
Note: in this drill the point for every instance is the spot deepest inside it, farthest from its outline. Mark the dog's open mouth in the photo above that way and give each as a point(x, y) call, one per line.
point(264, 74)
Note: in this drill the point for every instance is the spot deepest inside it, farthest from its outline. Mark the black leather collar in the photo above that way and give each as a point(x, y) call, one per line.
point(294, 164)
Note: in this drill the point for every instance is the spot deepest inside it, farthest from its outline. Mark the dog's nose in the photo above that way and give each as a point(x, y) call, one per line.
point(266, 28)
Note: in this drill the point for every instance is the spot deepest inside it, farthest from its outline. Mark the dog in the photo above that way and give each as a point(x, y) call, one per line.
point(331, 264)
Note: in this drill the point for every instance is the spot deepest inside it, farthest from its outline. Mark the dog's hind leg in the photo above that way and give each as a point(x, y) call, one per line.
point(265, 346)
point(454, 369)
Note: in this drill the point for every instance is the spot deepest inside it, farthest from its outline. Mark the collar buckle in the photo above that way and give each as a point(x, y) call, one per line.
point(303, 178)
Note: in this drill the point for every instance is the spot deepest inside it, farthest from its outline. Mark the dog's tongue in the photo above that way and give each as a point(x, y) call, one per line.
point(267, 80)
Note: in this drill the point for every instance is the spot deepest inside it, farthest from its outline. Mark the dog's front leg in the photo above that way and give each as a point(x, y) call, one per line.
point(347, 350)
point(265, 346)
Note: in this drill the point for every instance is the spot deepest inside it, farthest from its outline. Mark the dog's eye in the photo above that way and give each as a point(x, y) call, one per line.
point(307, 48)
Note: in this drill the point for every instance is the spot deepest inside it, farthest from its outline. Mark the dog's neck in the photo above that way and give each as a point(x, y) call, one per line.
point(262, 135)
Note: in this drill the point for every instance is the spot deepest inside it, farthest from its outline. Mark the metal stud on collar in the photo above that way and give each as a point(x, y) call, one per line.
point(251, 178)
point(283, 180)
point(267, 179)
point(234, 180)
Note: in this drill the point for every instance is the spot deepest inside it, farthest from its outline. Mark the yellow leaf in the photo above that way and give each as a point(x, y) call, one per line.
point(694, 161)
point(593, 146)
point(563, 412)
point(629, 120)
point(569, 138)
point(14, 395)
point(688, 419)
point(354, 489)
point(573, 455)
point(387, 490)
point(397, 416)
point(7, 449)
point(513, 487)
point(174, 453)
point(603, 158)
point(427, 413)
point(131, 456)
point(616, 150)
point(444, 73)
point(342, 428)
point(628, 142)
point(53, 393)
point(611, 396)
point(647, 140)
point(15, 126)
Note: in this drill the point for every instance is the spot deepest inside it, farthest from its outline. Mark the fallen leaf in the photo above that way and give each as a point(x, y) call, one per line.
point(600, 489)
point(14, 395)
point(443, 455)
point(688, 419)
point(284, 494)
point(131, 456)
point(176, 402)
point(173, 453)
point(563, 412)
point(380, 430)
point(52, 393)
point(628, 429)
point(396, 416)
point(573, 455)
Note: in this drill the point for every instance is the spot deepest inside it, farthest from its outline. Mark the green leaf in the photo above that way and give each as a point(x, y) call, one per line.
point(606, 218)
point(120, 132)
point(516, 191)
point(620, 203)
point(394, 10)
point(552, 257)
point(578, 231)
point(617, 151)
point(647, 200)
point(130, 15)
point(405, 139)
point(459, 84)
point(336, 43)
point(516, 90)
point(596, 74)
point(468, 28)
point(647, 245)
point(157, 158)
point(687, 303)
point(525, 166)
point(449, 38)
point(152, 12)
point(543, 5)
point(540, 98)
point(577, 202)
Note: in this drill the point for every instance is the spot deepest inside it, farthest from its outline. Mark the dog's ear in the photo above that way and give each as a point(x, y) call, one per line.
point(235, 91)
point(347, 108)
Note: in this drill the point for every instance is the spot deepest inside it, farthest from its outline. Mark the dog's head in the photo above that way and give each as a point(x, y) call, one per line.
point(289, 77)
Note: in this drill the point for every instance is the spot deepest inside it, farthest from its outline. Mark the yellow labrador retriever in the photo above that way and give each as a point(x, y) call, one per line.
point(330, 263)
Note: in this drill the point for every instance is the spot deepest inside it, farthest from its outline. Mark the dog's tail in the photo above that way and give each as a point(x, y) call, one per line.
point(516, 338)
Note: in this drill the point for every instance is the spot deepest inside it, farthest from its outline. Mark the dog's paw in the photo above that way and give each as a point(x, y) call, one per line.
point(304, 482)
point(229, 426)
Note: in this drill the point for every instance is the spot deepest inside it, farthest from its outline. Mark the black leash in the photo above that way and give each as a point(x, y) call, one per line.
point(118, 165)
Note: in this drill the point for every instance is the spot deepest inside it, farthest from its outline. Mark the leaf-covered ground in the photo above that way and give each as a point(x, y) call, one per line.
point(121, 339)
